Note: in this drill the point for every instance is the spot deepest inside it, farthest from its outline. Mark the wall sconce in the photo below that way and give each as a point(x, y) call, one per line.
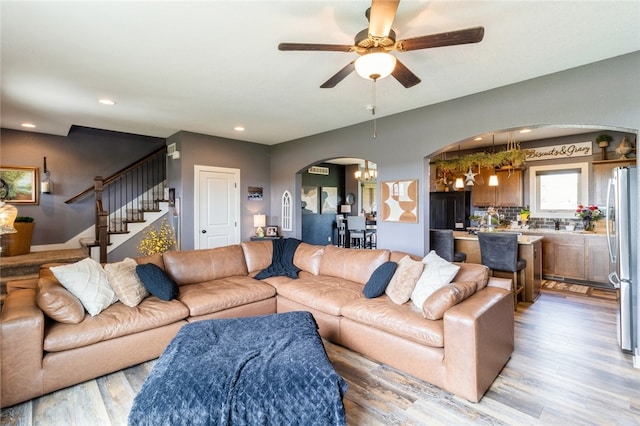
point(259, 220)
point(46, 185)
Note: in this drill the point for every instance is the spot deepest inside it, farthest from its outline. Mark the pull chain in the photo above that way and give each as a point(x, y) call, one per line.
point(373, 108)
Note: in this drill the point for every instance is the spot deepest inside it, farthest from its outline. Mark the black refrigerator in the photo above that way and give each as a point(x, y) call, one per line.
point(450, 210)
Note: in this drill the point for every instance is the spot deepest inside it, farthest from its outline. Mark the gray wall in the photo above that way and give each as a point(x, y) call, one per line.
point(600, 94)
point(73, 161)
point(195, 149)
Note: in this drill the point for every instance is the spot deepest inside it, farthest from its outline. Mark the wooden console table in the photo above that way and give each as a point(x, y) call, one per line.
point(529, 249)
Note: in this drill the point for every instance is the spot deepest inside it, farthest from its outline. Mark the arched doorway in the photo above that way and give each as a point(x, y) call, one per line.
point(331, 188)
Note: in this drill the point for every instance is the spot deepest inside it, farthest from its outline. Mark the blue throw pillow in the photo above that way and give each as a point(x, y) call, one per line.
point(379, 280)
point(157, 282)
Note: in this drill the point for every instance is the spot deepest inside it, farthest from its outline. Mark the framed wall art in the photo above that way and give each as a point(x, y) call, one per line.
point(329, 200)
point(19, 185)
point(309, 199)
point(400, 201)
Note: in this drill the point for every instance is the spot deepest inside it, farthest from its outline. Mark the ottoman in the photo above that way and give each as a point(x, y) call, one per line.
point(263, 370)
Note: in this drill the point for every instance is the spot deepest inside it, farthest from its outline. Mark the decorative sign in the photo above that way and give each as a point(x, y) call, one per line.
point(570, 150)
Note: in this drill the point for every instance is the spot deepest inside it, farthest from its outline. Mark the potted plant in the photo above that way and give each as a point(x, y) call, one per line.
point(20, 242)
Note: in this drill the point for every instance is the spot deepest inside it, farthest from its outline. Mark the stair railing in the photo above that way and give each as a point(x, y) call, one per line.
point(123, 197)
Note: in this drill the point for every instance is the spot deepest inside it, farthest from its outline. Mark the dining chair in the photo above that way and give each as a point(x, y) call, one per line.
point(356, 225)
point(499, 252)
point(442, 241)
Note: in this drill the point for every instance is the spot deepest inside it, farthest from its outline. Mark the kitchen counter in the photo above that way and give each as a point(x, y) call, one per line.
point(522, 239)
point(529, 249)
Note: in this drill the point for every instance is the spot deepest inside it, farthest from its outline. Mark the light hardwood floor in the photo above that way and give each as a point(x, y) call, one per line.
point(566, 370)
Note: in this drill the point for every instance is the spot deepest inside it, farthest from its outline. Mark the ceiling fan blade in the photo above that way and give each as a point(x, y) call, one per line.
point(316, 47)
point(451, 38)
point(404, 75)
point(339, 76)
point(381, 16)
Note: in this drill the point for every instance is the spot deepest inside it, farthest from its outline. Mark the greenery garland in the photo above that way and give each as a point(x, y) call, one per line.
point(512, 157)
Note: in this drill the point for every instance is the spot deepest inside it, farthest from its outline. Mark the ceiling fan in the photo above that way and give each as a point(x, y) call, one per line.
point(375, 43)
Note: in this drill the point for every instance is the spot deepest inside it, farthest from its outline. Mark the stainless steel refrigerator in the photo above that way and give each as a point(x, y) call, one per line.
point(621, 210)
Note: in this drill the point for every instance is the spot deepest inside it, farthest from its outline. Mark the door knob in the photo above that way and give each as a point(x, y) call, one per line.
point(204, 231)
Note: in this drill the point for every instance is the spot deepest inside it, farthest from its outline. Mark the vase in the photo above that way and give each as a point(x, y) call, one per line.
point(587, 225)
point(20, 242)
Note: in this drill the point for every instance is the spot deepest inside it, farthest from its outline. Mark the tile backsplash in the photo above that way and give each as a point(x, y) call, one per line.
point(507, 214)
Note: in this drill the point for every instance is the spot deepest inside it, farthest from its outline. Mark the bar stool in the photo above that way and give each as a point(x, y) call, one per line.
point(442, 241)
point(499, 252)
point(342, 231)
point(357, 231)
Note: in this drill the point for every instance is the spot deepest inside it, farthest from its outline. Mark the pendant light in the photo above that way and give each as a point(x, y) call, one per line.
point(493, 179)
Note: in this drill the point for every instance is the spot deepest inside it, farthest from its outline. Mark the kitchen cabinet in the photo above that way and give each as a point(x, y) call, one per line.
point(508, 193)
point(602, 171)
point(575, 257)
point(597, 260)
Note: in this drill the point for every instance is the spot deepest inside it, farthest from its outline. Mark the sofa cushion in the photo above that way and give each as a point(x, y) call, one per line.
point(156, 259)
point(352, 265)
point(446, 297)
point(257, 255)
point(308, 257)
point(115, 321)
point(224, 293)
point(379, 280)
point(157, 282)
point(402, 320)
point(323, 293)
point(125, 282)
point(57, 302)
point(196, 266)
point(437, 273)
point(404, 280)
point(87, 281)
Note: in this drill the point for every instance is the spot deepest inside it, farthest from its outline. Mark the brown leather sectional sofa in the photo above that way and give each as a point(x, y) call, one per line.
point(462, 353)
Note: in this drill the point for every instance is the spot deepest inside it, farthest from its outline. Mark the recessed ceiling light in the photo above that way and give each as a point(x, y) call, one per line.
point(106, 102)
point(479, 138)
point(239, 129)
point(525, 131)
point(28, 125)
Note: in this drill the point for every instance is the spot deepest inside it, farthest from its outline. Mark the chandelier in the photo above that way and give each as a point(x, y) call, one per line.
point(366, 175)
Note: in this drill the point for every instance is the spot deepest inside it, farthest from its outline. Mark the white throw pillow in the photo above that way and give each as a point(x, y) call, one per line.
point(125, 282)
point(437, 273)
point(87, 281)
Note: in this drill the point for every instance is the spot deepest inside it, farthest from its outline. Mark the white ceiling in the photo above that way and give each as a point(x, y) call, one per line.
point(207, 67)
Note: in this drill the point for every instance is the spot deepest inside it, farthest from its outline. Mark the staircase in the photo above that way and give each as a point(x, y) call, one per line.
point(126, 202)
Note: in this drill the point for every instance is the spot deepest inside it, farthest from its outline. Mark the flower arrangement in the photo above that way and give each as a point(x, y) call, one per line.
point(588, 215)
point(157, 241)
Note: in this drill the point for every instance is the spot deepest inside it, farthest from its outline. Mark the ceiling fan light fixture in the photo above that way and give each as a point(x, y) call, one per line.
point(375, 65)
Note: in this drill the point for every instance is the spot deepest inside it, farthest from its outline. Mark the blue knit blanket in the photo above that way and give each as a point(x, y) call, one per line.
point(281, 260)
point(268, 370)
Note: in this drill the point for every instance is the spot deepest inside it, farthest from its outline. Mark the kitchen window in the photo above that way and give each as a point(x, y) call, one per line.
point(556, 191)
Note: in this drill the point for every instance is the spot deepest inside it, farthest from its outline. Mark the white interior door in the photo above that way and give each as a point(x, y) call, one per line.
point(217, 203)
